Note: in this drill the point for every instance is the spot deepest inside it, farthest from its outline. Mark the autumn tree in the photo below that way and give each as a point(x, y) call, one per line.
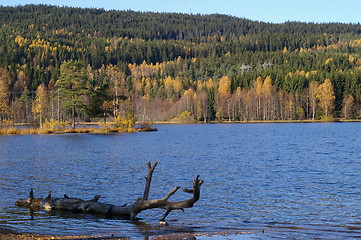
point(223, 97)
point(258, 90)
point(40, 104)
point(72, 87)
point(20, 105)
point(173, 86)
point(312, 96)
point(199, 111)
point(251, 105)
point(237, 102)
point(281, 99)
point(202, 105)
point(117, 86)
point(290, 107)
point(21, 82)
point(326, 96)
point(187, 100)
point(348, 106)
point(268, 93)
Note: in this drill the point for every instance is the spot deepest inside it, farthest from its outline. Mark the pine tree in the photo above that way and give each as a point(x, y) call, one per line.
point(72, 87)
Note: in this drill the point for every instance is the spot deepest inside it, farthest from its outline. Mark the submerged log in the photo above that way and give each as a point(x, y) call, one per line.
point(93, 206)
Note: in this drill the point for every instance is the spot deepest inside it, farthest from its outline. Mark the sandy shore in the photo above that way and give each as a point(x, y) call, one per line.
point(8, 235)
point(11, 235)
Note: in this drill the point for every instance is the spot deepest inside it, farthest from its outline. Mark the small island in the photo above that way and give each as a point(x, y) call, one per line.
point(53, 126)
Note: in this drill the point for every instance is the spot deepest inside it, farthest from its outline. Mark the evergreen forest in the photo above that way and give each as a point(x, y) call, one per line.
point(74, 64)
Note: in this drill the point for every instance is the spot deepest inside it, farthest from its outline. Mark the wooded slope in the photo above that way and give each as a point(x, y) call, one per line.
point(163, 66)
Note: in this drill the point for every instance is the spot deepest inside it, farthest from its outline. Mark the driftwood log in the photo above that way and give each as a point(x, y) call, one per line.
point(93, 206)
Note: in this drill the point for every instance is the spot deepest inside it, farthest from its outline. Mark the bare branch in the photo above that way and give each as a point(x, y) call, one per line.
point(149, 179)
point(170, 193)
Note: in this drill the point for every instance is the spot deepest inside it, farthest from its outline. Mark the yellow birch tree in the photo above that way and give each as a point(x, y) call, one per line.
point(224, 94)
point(40, 104)
point(326, 96)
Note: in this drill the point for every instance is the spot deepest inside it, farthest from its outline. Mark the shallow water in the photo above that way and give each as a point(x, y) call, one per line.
point(277, 181)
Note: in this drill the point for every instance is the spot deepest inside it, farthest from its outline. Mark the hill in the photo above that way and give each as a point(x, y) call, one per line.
point(157, 66)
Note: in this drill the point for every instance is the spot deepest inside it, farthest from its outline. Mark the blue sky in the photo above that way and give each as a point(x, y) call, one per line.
point(276, 11)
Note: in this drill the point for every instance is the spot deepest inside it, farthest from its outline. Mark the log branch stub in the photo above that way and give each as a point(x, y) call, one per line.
point(149, 179)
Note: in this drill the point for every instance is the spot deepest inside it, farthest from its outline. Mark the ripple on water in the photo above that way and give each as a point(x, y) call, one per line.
point(297, 181)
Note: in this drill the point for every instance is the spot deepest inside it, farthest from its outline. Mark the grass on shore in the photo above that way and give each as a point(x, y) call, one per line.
point(31, 131)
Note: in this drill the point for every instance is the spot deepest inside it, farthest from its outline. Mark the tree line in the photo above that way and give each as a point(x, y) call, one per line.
point(83, 64)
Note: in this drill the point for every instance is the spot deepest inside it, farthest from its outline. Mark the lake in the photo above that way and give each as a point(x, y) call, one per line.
point(276, 181)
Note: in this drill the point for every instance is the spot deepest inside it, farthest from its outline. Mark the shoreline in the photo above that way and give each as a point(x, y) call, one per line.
point(6, 234)
point(218, 122)
point(150, 128)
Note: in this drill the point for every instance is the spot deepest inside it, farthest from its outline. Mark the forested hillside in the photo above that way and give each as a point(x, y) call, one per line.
point(63, 63)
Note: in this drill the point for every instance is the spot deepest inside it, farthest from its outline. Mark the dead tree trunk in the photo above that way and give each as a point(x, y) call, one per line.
point(94, 207)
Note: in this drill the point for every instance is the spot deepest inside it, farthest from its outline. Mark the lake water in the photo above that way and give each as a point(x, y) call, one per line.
point(276, 181)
